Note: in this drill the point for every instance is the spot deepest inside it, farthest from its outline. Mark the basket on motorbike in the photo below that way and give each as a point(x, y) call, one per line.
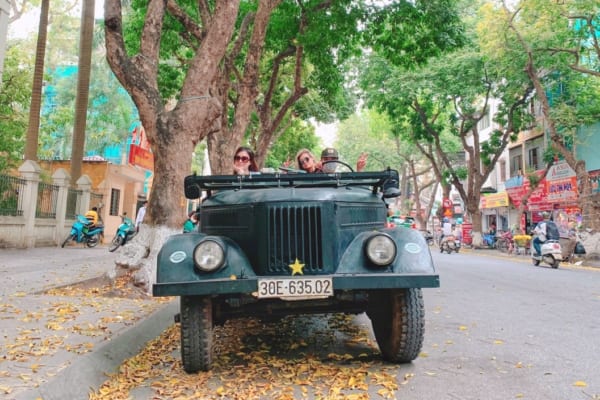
point(522, 244)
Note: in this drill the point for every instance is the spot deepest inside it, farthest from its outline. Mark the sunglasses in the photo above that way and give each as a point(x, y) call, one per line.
point(304, 160)
point(241, 158)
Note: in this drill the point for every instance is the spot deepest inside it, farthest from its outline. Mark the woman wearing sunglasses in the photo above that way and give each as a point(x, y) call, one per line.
point(307, 162)
point(244, 161)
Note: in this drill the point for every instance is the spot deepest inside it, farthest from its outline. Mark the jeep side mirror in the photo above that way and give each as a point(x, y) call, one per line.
point(390, 189)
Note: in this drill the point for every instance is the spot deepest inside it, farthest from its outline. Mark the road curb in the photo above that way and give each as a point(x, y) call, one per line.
point(91, 370)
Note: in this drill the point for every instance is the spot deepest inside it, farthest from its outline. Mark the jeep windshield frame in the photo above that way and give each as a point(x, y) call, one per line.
point(195, 184)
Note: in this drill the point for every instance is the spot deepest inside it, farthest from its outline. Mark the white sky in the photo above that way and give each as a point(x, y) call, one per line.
point(327, 133)
point(28, 22)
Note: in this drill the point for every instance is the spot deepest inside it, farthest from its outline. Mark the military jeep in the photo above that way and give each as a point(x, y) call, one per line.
point(272, 245)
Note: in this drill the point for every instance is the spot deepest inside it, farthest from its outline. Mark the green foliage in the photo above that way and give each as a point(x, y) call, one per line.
point(409, 33)
point(370, 132)
point(298, 136)
point(15, 96)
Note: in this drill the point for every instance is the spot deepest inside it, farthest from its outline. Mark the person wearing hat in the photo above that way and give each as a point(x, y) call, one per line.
point(544, 230)
point(331, 154)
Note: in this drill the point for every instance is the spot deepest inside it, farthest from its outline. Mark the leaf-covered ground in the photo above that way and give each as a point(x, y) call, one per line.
point(43, 332)
point(316, 357)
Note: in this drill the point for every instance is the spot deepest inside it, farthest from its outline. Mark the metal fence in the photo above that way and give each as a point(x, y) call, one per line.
point(47, 199)
point(11, 189)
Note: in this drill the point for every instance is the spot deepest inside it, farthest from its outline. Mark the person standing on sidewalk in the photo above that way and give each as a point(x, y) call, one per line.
point(141, 215)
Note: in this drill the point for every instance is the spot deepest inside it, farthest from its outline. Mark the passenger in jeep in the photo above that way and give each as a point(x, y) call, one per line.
point(307, 162)
point(244, 161)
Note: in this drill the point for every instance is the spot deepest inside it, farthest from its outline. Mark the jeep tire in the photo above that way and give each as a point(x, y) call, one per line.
point(196, 333)
point(398, 319)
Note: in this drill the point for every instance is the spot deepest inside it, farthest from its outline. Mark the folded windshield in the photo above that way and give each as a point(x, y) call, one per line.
point(194, 184)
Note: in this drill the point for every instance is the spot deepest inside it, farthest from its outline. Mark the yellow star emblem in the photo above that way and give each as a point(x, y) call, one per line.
point(297, 268)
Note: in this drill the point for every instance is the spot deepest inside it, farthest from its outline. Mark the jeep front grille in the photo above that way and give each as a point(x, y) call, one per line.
point(295, 232)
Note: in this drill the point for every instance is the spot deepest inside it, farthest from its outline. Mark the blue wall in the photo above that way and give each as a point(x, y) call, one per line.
point(588, 143)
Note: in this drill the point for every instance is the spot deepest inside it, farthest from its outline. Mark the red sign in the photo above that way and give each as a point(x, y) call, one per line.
point(447, 203)
point(467, 229)
point(140, 157)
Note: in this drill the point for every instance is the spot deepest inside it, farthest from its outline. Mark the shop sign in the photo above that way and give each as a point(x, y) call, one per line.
point(560, 171)
point(141, 157)
point(562, 190)
point(493, 200)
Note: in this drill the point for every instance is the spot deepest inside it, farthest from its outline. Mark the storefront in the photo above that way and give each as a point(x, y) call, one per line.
point(494, 210)
point(556, 193)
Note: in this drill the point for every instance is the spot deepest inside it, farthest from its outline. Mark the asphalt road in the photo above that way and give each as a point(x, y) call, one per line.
point(503, 329)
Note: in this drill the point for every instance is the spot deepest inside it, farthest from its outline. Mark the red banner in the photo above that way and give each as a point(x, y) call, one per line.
point(140, 157)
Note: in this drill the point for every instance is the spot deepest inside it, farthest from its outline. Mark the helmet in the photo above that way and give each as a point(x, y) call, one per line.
point(445, 219)
point(545, 215)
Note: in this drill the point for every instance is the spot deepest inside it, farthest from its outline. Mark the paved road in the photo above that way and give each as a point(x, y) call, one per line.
point(68, 335)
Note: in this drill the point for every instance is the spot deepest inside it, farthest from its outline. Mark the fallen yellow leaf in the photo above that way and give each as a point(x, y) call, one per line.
point(580, 384)
point(498, 341)
point(462, 328)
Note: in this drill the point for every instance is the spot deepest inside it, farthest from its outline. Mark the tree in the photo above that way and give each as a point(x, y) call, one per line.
point(372, 132)
point(83, 88)
point(217, 90)
point(36, 92)
point(450, 96)
point(207, 58)
point(531, 41)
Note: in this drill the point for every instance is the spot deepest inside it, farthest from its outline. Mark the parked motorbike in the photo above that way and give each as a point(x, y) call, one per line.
point(82, 231)
point(449, 244)
point(428, 237)
point(125, 232)
point(551, 254)
point(505, 243)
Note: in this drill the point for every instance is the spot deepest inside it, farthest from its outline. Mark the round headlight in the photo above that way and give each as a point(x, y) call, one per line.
point(380, 249)
point(209, 255)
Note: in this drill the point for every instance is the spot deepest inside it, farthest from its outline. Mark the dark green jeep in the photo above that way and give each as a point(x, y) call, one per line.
point(272, 245)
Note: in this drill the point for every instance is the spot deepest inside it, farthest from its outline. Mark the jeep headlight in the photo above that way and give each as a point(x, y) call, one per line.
point(209, 255)
point(380, 249)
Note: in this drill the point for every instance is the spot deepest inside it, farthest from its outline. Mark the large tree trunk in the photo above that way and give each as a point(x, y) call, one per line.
point(33, 128)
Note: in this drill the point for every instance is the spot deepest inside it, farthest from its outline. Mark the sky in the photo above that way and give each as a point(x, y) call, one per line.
point(28, 22)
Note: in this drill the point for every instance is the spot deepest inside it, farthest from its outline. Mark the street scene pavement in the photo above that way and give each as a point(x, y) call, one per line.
point(66, 332)
point(64, 325)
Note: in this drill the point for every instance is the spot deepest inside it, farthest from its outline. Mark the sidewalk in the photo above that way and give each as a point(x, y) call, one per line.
point(525, 257)
point(59, 341)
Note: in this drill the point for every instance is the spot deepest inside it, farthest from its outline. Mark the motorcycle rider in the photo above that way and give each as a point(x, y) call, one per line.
point(446, 229)
point(92, 217)
point(545, 230)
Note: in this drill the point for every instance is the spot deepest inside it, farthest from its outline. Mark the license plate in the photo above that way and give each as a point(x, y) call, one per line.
point(296, 288)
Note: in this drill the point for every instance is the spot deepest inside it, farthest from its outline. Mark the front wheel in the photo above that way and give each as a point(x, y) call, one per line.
point(67, 239)
point(502, 245)
point(116, 242)
point(535, 262)
point(196, 333)
point(398, 319)
point(92, 241)
point(555, 263)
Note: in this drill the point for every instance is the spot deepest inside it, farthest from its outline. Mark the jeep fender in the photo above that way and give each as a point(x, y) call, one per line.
point(413, 255)
point(175, 261)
